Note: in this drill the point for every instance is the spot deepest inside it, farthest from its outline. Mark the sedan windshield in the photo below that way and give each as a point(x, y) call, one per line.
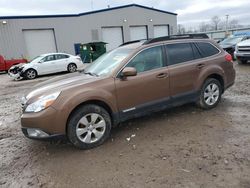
point(232, 40)
point(36, 59)
point(106, 63)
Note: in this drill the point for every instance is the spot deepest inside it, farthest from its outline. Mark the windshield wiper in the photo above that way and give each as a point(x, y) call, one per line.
point(91, 73)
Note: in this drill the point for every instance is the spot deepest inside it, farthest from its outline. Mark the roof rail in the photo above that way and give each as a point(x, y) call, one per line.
point(175, 37)
point(131, 42)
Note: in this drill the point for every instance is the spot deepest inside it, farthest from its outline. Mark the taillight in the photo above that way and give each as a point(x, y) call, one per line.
point(228, 58)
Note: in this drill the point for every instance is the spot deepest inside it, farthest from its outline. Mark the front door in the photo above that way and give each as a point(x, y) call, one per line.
point(47, 65)
point(148, 89)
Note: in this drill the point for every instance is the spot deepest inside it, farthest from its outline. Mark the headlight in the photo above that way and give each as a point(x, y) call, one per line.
point(42, 103)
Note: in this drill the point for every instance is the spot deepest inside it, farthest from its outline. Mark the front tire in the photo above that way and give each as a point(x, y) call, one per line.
point(72, 67)
point(210, 94)
point(30, 74)
point(89, 126)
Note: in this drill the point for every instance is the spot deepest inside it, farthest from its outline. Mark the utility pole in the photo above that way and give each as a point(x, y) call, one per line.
point(227, 17)
point(92, 5)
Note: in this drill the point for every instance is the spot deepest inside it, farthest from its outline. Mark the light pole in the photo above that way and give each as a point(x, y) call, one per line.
point(227, 17)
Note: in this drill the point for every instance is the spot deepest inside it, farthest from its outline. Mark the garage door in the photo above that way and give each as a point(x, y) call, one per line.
point(161, 30)
point(138, 32)
point(113, 36)
point(39, 42)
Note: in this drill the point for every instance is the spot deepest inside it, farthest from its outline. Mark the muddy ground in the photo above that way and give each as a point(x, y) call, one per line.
point(181, 147)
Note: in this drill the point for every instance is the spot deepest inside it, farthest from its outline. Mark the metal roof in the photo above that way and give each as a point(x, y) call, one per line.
point(85, 13)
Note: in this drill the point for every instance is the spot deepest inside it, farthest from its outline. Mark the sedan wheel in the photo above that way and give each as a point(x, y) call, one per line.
point(30, 74)
point(72, 67)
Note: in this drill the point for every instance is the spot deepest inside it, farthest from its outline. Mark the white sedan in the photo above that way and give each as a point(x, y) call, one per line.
point(46, 64)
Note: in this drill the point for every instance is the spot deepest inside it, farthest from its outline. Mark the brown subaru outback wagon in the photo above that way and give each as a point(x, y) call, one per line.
point(136, 79)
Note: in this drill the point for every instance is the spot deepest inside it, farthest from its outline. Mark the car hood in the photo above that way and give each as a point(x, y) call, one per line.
point(224, 46)
point(60, 83)
point(244, 43)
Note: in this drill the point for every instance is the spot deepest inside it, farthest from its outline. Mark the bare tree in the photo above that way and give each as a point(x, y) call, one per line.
point(215, 22)
point(233, 24)
point(181, 29)
point(203, 27)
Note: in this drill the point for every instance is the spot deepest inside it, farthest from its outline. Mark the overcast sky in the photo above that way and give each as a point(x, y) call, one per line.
point(190, 12)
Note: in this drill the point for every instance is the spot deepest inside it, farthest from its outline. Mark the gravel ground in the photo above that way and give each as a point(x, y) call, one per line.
point(180, 147)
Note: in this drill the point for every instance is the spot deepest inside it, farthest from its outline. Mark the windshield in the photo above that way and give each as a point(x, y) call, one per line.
point(36, 59)
point(106, 63)
point(232, 40)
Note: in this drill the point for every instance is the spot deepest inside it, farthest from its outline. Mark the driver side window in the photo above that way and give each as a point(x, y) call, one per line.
point(147, 60)
point(49, 58)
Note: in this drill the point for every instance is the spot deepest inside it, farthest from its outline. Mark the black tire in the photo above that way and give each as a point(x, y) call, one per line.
point(204, 100)
point(30, 74)
point(242, 61)
point(73, 125)
point(72, 67)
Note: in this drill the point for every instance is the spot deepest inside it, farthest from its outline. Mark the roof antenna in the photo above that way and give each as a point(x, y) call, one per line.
point(108, 6)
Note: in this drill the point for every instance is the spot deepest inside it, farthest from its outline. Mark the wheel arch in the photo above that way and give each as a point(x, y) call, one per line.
point(216, 76)
point(94, 102)
point(31, 68)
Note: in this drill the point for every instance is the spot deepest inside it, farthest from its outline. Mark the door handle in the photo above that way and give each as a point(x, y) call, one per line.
point(200, 66)
point(162, 75)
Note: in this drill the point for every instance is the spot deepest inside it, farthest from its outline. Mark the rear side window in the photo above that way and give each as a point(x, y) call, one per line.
point(61, 56)
point(179, 53)
point(207, 49)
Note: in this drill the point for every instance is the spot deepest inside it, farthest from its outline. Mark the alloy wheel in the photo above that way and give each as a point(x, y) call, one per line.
point(91, 128)
point(31, 74)
point(72, 68)
point(211, 94)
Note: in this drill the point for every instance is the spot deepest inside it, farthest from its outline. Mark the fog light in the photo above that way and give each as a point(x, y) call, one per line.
point(37, 133)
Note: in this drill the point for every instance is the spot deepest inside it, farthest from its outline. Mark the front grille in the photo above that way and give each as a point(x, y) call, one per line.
point(244, 48)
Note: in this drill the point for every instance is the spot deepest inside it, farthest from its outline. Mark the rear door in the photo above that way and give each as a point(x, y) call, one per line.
point(148, 89)
point(61, 62)
point(184, 63)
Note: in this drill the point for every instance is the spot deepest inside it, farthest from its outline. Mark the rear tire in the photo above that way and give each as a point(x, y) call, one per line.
point(89, 126)
point(210, 94)
point(72, 67)
point(30, 74)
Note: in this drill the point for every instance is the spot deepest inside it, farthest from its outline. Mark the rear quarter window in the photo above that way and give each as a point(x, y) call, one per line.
point(207, 49)
point(179, 53)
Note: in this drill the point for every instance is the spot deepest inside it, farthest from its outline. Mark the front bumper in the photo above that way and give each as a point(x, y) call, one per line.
point(16, 76)
point(242, 56)
point(48, 121)
point(38, 134)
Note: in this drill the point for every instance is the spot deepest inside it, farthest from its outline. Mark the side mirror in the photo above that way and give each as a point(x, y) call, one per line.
point(128, 71)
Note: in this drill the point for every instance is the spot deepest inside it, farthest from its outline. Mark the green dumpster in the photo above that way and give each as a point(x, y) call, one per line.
point(91, 51)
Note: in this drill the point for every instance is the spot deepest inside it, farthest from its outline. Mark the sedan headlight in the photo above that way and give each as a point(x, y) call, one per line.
point(42, 103)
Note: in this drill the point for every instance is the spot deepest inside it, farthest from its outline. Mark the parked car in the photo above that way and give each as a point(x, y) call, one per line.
point(242, 52)
point(133, 80)
point(46, 64)
point(229, 43)
point(6, 64)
